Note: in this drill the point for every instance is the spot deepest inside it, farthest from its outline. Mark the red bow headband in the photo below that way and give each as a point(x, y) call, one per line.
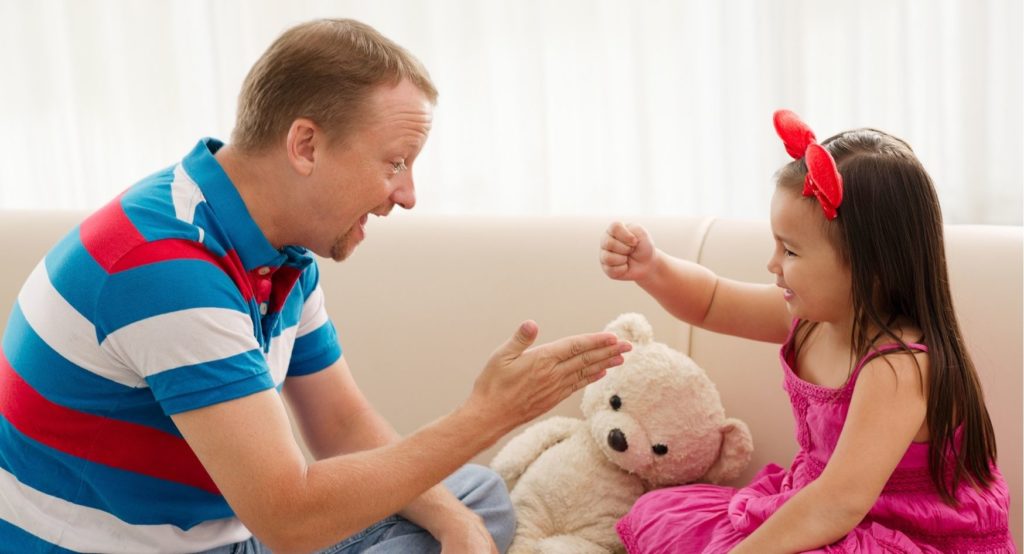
point(823, 179)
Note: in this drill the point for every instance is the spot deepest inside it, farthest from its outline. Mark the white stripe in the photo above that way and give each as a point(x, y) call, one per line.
point(67, 331)
point(185, 194)
point(181, 338)
point(280, 354)
point(314, 313)
point(86, 529)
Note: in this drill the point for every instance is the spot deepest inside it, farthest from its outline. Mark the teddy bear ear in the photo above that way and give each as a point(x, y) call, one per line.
point(632, 327)
point(734, 453)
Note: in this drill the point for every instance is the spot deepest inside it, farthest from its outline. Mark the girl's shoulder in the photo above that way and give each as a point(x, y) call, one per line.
point(904, 332)
point(888, 352)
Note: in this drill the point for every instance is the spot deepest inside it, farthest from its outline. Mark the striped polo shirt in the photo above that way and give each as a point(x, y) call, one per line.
point(168, 299)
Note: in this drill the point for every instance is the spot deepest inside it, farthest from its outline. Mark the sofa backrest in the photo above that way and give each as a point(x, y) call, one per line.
point(424, 301)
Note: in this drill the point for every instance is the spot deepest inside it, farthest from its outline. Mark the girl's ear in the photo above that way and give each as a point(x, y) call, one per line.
point(734, 455)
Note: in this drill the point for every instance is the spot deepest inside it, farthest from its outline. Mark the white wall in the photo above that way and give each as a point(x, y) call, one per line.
point(567, 107)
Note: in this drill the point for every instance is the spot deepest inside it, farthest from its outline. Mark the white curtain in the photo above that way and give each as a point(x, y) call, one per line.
point(547, 106)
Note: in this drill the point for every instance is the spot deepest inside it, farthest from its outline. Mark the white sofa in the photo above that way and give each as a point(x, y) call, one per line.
point(425, 299)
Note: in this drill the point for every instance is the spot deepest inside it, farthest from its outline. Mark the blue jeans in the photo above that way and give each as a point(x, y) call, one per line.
point(479, 488)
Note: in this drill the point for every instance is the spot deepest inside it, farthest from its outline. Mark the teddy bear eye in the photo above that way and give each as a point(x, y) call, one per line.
point(660, 449)
point(616, 402)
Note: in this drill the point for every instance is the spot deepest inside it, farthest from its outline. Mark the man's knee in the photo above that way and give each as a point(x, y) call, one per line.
point(483, 491)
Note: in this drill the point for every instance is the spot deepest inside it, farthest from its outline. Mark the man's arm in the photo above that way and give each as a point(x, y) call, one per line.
point(247, 447)
point(335, 418)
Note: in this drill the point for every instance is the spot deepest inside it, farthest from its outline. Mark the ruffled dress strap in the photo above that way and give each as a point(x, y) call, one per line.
point(879, 351)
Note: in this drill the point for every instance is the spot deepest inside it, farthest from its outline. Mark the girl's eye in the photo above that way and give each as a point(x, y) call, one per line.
point(788, 253)
point(398, 167)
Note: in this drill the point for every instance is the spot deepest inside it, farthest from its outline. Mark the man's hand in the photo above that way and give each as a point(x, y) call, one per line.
point(465, 533)
point(627, 252)
point(457, 527)
point(520, 383)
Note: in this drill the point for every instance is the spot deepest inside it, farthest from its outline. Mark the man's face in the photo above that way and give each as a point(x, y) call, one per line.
point(370, 171)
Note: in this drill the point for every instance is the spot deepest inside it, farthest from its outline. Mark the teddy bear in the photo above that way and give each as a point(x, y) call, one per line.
point(657, 420)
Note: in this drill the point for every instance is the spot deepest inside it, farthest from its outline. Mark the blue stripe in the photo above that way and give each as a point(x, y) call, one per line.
point(131, 497)
point(14, 539)
point(149, 207)
point(309, 279)
point(289, 316)
point(63, 382)
point(195, 386)
point(315, 351)
point(214, 238)
point(291, 311)
point(75, 274)
point(164, 287)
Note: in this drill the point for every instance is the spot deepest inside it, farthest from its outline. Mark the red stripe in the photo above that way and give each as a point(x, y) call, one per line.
point(116, 244)
point(108, 234)
point(284, 281)
point(99, 439)
point(179, 249)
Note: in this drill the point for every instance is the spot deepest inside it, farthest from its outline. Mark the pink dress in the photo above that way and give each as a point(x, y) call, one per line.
point(908, 516)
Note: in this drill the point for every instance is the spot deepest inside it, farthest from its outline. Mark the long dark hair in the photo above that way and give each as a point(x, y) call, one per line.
point(889, 232)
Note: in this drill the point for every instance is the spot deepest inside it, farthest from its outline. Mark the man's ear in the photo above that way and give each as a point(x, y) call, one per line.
point(302, 143)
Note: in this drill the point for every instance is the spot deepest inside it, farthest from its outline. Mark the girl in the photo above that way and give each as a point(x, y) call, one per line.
point(897, 452)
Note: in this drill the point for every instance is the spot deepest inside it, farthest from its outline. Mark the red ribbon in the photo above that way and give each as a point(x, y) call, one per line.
point(823, 179)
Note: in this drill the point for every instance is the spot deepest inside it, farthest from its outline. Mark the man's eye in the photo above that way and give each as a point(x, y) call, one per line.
point(398, 167)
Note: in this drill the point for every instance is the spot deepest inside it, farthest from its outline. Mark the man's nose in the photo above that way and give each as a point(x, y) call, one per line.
point(405, 195)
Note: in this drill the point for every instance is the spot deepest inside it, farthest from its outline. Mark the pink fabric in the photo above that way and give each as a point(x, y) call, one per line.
point(908, 517)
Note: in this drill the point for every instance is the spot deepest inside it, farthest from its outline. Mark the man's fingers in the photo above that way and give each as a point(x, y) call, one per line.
point(592, 373)
point(588, 362)
point(585, 360)
point(570, 347)
point(595, 376)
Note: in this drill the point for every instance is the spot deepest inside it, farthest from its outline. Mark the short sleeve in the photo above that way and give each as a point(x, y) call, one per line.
point(316, 340)
point(186, 328)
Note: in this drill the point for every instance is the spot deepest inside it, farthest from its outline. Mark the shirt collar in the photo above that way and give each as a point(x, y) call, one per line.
point(233, 216)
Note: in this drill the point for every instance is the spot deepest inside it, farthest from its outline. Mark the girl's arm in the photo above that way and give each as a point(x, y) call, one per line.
point(692, 292)
point(886, 412)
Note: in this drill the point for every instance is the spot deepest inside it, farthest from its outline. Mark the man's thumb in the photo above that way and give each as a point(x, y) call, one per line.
point(524, 337)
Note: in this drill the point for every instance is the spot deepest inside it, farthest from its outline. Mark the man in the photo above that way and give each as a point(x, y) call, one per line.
point(141, 368)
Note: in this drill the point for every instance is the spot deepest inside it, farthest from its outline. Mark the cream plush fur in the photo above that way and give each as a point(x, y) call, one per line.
point(572, 479)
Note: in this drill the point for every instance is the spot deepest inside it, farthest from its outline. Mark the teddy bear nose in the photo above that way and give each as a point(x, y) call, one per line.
point(617, 440)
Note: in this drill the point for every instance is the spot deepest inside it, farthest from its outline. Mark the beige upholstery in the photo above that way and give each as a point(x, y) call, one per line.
point(423, 302)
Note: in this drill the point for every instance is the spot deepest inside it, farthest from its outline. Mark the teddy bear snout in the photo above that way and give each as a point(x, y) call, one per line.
point(617, 440)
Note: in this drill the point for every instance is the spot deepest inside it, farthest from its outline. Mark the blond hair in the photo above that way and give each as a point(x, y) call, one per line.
point(323, 70)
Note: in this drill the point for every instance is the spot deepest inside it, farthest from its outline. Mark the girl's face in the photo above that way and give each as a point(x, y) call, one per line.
point(815, 281)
